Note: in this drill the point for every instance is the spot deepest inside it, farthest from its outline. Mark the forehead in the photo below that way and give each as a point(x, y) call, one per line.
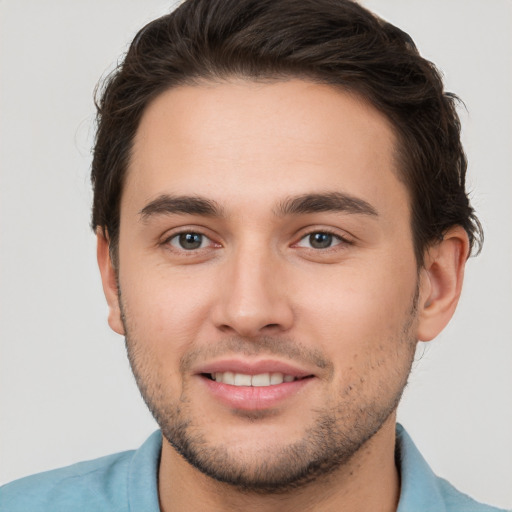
point(242, 142)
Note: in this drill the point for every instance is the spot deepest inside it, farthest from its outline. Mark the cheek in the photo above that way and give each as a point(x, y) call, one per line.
point(362, 321)
point(359, 308)
point(164, 308)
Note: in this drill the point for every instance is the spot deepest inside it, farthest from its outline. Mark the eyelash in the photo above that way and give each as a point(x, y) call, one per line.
point(168, 240)
point(335, 236)
point(340, 239)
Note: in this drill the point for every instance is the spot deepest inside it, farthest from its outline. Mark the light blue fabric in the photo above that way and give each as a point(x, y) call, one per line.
point(423, 491)
point(122, 482)
point(128, 482)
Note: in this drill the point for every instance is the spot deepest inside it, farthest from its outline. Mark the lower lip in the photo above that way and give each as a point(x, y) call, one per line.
point(254, 398)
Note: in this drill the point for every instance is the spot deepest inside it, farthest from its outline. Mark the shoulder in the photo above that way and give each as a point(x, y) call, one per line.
point(115, 483)
point(99, 484)
point(425, 491)
point(457, 501)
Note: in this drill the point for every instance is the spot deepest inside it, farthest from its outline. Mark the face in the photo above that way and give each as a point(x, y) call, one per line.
point(267, 277)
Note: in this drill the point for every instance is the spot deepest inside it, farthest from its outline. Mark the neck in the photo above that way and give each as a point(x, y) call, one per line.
point(368, 482)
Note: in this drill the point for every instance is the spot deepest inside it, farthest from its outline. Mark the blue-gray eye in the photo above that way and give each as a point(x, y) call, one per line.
point(320, 240)
point(188, 241)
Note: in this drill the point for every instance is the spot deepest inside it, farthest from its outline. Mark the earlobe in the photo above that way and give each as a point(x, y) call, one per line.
point(441, 282)
point(109, 281)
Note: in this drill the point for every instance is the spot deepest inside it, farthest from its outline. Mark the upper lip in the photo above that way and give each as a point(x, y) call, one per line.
point(253, 367)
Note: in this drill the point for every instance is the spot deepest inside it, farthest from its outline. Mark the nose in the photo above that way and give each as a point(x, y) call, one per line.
point(253, 299)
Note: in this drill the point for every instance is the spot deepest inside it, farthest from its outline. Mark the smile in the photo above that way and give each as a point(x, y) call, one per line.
point(260, 380)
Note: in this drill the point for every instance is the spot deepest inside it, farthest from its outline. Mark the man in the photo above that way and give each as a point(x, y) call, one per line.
point(281, 216)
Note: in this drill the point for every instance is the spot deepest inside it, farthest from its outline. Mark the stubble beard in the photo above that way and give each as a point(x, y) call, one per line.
point(339, 431)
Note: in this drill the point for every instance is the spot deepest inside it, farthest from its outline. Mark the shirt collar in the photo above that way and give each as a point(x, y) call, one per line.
point(143, 475)
point(419, 485)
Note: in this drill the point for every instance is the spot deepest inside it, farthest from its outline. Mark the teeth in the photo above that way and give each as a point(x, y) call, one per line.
point(276, 378)
point(226, 377)
point(263, 379)
point(260, 380)
point(242, 379)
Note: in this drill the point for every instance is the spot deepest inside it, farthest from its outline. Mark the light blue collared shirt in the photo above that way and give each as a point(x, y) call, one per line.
point(127, 482)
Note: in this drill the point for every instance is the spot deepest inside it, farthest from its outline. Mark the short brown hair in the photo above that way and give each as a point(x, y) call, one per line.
point(335, 42)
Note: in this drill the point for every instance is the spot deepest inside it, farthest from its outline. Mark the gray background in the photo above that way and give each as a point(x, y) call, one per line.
point(66, 391)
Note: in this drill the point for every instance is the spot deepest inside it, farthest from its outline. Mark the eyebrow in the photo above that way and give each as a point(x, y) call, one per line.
point(327, 202)
point(299, 205)
point(188, 205)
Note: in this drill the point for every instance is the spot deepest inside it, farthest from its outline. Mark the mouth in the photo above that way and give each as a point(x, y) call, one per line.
point(254, 385)
point(258, 380)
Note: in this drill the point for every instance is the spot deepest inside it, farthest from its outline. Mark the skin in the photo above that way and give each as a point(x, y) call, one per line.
point(349, 315)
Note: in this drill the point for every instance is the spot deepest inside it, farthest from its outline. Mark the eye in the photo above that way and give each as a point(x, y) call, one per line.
point(320, 240)
point(189, 241)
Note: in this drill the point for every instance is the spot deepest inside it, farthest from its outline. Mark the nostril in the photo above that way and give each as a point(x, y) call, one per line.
point(226, 328)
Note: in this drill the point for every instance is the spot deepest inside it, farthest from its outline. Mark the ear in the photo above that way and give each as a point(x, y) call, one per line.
point(441, 282)
point(109, 281)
